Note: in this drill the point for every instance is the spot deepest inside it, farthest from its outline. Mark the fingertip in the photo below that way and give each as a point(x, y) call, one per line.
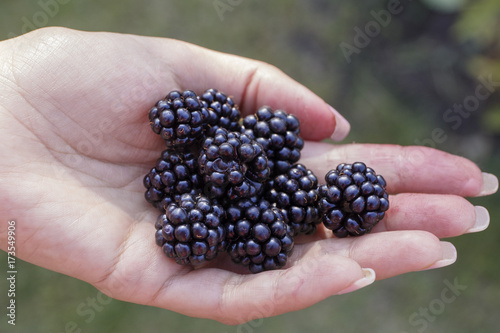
point(481, 221)
point(368, 278)
point(342, 126)
point(448, 257)
point(489, 186)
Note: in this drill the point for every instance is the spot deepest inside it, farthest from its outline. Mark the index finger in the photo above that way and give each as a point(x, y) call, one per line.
point(139, 70)
point(254, 83)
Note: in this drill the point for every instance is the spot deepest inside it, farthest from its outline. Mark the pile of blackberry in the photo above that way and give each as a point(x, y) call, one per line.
point(230, 184)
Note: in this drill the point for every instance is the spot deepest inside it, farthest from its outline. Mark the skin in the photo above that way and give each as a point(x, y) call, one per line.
point(76, 145)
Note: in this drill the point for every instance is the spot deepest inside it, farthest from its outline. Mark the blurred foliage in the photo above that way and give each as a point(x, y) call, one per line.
point(478, 26)
point(396, 89)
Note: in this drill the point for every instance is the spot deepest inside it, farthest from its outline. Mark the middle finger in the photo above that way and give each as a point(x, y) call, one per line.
point(412, 169)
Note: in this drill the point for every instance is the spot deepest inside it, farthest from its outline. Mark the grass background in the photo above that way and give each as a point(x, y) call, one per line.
point(396, 89)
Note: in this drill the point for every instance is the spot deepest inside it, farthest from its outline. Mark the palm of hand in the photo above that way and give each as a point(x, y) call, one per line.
point(77, 143)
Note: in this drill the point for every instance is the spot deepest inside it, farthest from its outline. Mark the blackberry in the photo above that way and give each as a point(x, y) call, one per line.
point(296, 194)
point(223, 112)
point(174, 174)
point(232, 164)
point(180, 118)
point(278, 133)
point(353, 200)
point(258, 237)
point(191, 231)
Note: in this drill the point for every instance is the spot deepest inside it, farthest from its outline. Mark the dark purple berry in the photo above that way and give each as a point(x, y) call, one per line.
point(278, 133)
point(180, 119)
point(257, 234)
point(296, 194)
point(191, 231)
point(222, 112)
point(232, 165)
point(353, 200)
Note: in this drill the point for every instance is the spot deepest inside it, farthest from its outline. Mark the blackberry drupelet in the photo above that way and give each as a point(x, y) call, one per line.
point(191, 231)
point(232, 165)
point(258, 237)
point(223, 112)
point(180, 118)
point(353, 200)
point(174, 174)
point(296, 194)
point(278, 133)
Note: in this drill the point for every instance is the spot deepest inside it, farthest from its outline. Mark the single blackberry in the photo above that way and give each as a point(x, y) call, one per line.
point(180, 118)
point(258, 237)
point(296, 194)
point(353, 200)
point(278, 133)
point(174, 174)
point(232, 165)
point(191, 231)
point(222, 110)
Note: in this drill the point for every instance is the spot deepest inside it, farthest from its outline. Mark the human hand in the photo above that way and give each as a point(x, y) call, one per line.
point(76, 145)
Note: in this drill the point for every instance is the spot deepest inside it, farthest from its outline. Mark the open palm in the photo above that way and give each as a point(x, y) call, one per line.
point(76, 144)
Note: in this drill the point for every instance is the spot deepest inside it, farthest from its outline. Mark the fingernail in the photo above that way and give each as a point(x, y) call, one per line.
point(482, 220)
point(490, 184)
point(448, 258)
point(367, 279)
point(342, 126)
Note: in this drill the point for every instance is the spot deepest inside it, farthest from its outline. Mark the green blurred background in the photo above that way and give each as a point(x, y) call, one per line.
point(394, 87)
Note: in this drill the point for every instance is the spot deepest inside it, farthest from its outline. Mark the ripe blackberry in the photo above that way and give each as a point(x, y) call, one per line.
point(353, 200)
point(191, 231)
point(179, 118)
point(222, 110)
point(232, 164)
point(258, 237)
point(296, 194)
point(174, 174)
point(278, 133)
